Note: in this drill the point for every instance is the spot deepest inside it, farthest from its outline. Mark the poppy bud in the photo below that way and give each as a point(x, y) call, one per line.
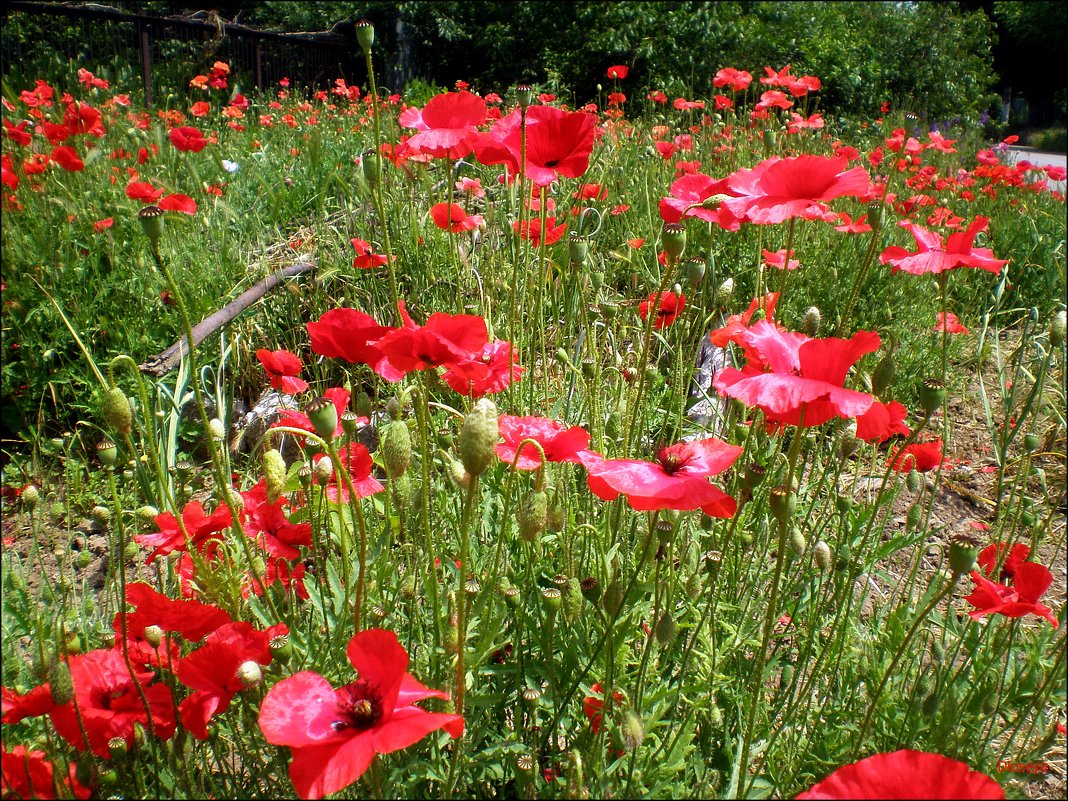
point(883, 375)
point(402, 491)
point(324, 470)
point(822, 556)
point(913, 481)
point(217, 429)
point(694, 271)
point(938, 653)
point(665, 630)
point(364, 405)
point(843, 503)
point(783, 502)
point(770, 141)
point(107, 452)
point(573, 600)
point(479, 436)
point(395, 443)
point(249, 674)
point(147, 513)
point(323, 416)
point(365, 34)
point(85, 558)
point(673, 238)
point(931, 704)
point(281, 648)
point(1032, 443)
point(578, 248)
point(131, 552)
point(912, 517)
point(932, 395)
point(632, 731)
point(963, 551)
point(810, 324)
point(724, 292)
point(1058, 327)
point(30, 496)
point(101, 515)
point(797, 541)
point(116, 411)
point(613, 426)
point(151, 218)
point(460, 477)
point(274, 474)
point(842, 560)
point(524, 94)
point(576, 784)
point(533, 515)
point(612, 600)
point(60, 685)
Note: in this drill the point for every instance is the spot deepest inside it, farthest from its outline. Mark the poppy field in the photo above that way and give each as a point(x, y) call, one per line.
point(658, 447)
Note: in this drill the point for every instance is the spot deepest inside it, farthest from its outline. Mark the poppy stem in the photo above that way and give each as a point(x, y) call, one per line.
point(862, 273)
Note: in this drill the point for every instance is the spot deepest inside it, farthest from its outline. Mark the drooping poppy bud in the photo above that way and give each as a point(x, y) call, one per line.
point(274, 474)
point(116, 411)
point(478, 437)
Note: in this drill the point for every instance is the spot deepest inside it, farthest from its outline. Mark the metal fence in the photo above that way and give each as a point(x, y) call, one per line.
point(164, 53)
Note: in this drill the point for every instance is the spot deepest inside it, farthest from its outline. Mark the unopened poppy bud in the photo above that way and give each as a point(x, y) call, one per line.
point(116, 411)
point(576, 782)
point(365, 34)
point(323, 470)
point(913, 481)
point(107, 453)
point(147, 513)
point(694, 271)
point(1032, 443)
point(810, 324)
point(673, 238)
point(524, 94)
point(665, 629)
point(364, 405)
point(350, 421)
point(60, 685)
point(931, 704)
point(822, 556)
point(1058, 327)
point(478, 437)
point(883, 375)
point(912, 517)
point(460, 477)
point(724, 292)
point(395, 444)
point(274, 474)
point(281, 648)
point(632, 731)
point(30, 496)
point(578, 248)
point(323, 416)
point(151, 218)
point(932, 395)
point(938, 653)
point(557, 517)
point(258, 567)
point(532, 516)
point(100, 515)
point(573, 600)
point(783, 502)
point(797, 541)
point(249, 674)
point(963, 551)
point(612, 600)
point(843, 558)
point(452, 639)
point(216, 429)
point(843, 503)
point(131, 551)
point(85, 558)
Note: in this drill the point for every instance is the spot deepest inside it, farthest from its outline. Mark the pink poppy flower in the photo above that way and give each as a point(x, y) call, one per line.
point(947, 321)
point(935, 256)
point(905, 774)
point(447, 125)
point(778, 189)
point(560, 443)
point(698, 195)
point(487, 374)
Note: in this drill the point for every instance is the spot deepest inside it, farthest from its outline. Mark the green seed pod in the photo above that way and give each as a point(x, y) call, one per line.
point(932, 395)
point(823, 556)
point(913, 481)
point(371, 166)
point(552, 599)
point(281, 649)
point(151, 218)
point(60, 685)
point(408, 587)
point(107, 453)
point(797, 541)
point(116, 411)
point(274, 474)
point(810, 324)
point(323, 415)
point(591, 589)
point(350, 421)
point(1058, 327)
point(478, 437)
point(395, 443)
point(578, 248)
point(665, 630)
point(769, 140)
point(524, 95)
point(783, 502)
point(694, 271)
point(963, 551)
point(365, 35)
point(513, 597)
point(673, 239)
point(1032, 442)
point(753, 476)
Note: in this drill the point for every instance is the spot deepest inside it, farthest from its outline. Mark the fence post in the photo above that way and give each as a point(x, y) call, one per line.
point(146, 61)
point(257, 63)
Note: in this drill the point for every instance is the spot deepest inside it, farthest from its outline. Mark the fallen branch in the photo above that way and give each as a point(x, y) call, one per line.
point(166, 361)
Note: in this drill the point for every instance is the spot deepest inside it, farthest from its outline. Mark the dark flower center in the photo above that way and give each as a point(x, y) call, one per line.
point(671, 461)
point(552, 163)
point(358, 706)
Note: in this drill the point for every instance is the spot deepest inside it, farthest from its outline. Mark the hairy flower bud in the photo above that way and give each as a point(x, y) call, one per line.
point(822, 556)
point(1058, 327)
point(116, 411)
point(532, 516)
point(274, 474)
point(632, 731)
point(216, 429)
point(324, 470)
point(810, 324)
point(249, 674)
point(60, 685)
point(724, 292)
point(665, 629)
point(395, 443)
point(478, 437)
point(30, 497)
point(883, 375)
point(797, 541)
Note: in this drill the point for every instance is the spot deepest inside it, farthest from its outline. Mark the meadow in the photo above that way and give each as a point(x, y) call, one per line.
point(662, 447)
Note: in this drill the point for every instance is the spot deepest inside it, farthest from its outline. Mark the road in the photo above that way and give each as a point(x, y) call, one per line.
point(1039, 158)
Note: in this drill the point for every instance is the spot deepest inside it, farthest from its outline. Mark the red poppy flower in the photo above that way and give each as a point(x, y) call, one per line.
point(847, 225)
point(277, 570)
point(294, 418)
point(1030, 581)
point(17, 133)
point(102, 225)
point(365, 256)
point(618, 72)
point(28, 774)
point(947, 321)
point(737, 323)
point(592, 706)
point(282, 369)
point(922, 456)
point(67, 158)
point(773, 98)
point(778, 189)
point(780, 78)
point(351, 335)
point(200, 109)
point(778, 260)
point(676, 480)
point(355, 458)
point(488, 374)
point(788, 373)
point(698, 195)
point(447, 125)
point(452, 217)
point(995, 552)
point(935, 256)
point(444, 340)
point(145, 192)
point(882, 421)
point(201, 527)
point(336, 733)
point(179, 202)
point(188, 139)
point(905, 774)
point(108, 700)
point(559, 143)
point(531, 229)
point(192, 620)
point(560, 444)
point(220, 670)
point(682, 104)
point(671, 306)
point(737, 80)
point(81, 118)
point(267, 524)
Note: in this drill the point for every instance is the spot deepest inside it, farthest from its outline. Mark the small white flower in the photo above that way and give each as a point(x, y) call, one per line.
point(231, 166)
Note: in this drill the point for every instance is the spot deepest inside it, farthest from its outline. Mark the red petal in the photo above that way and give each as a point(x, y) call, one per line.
point(381, 661)
point(299, 711)
point(411, 724)
point(322, 770)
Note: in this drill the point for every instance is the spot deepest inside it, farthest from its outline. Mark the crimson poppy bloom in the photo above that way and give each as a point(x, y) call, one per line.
point(993, 553)
point(145, 192)
point(267, 524)
point(559, 143)
point(593, 704)
point(560, 443)
point(201, 527)
point(921, 456)
point(778, 189)
point(488, 374)
point(773, 98)
point(335, 733)
point(447, 125)
point(190, 619)
point(179, 202)
point(351, 335)
point(618, 72)
point(935, 256)
point(736, 324)
point(17, 133)
point(947, 321)
point(366, 257)
point(276, 570)
point(905, 774)
point(67, 158)
point(452, 217)
point(108, 700)
point(531, 229)
point(188, 139)
point(444, 340)
point(698, 195)
point(778, 260)
point(28, 774)
point(737, 80)
point(356, 459)
point(676, 480)
point(847, 225)
point(295, 418)
point(882, 421)
point(220, 669)
point(1029, 582)
point(81, 118)
point(282, 369)
point(671, 306)
point(780, 78)
point(789, 375)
